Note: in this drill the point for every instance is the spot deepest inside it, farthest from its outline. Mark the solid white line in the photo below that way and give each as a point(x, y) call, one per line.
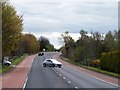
point(105, 81)
point(25, 83)
point(60, 74)
point(28, 74)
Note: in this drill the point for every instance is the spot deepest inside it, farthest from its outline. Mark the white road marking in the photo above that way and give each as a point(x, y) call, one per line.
point(25, 83)
point(104, 81)
point(59, 74)
point(28, 75)
point(69, 82)
point(76, 87)
point(63, 77)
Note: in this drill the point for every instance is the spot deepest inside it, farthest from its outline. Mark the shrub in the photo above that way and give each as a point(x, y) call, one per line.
point(79, 54)
point(96, 63)
point(111, 61)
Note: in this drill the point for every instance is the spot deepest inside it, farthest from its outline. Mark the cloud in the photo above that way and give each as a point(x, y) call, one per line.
point(57, 16)
point(64, 1)
point(49, 17)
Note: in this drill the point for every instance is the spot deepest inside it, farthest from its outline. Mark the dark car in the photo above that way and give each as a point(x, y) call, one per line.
point(40, 54)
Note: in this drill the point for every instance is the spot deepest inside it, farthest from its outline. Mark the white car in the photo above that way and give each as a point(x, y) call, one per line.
point(52, 63)
point(6, 62)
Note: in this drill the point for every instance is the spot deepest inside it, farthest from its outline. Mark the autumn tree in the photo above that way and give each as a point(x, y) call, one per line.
point(12, 26)
point(29, 44)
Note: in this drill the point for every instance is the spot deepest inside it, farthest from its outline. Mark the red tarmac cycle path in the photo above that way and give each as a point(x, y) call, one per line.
point(16, 77)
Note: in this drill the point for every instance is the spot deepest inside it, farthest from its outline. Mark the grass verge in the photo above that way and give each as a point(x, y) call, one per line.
point(92, 68)
point(17, 60)
point(0, 68)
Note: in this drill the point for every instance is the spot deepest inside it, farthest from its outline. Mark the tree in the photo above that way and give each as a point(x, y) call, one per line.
point(45, 44)
point(83, 36)
point(97, 44)
point(88, 48)
point(118, 39)
point(110, 42)
point(12, 26)
point(79, 54)
point(69, 43)
point(0, 31)
point(29, 44)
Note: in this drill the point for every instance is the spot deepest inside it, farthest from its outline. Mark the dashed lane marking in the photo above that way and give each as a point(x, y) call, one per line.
point(69, 82)
point(59, 74)
point(63, 77)
point(76, 87)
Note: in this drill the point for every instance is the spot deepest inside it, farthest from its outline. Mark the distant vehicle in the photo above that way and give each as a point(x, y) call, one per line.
point(52, 63)
point(57, 50)
point(40, 54)
point(6, 62)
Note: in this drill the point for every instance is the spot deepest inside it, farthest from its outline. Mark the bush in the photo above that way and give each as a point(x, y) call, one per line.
point(96, 63)
point(63, 51)
point(79, 54)
point(111, 61)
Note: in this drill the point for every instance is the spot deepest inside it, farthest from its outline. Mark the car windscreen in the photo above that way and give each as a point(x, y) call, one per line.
point(48, 60)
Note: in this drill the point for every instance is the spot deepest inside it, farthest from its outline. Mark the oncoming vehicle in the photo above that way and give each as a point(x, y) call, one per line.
point(52, 63)
point(40, 54)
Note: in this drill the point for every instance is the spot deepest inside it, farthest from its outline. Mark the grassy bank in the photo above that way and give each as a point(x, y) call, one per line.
point(92, 68)
point(0, 68)
point(17, 60)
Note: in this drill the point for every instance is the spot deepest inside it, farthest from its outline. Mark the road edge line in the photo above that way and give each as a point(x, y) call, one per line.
point(104, 81)
point(25, 82)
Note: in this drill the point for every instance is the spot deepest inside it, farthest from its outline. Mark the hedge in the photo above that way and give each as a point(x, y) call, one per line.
point(110, 61)
point(96, 63)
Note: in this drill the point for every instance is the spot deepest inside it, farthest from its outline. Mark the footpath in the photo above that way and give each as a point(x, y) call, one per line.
point(16, 78)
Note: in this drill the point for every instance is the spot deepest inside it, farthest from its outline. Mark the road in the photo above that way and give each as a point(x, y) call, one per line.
point(65, 77)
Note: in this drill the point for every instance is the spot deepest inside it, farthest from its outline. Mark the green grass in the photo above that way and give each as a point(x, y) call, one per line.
point(102, 71)
point(6, 68)
point(17, 60)
point(0, 68)
point(92, 68)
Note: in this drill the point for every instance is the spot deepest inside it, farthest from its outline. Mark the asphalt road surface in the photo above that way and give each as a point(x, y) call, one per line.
point(65, 77)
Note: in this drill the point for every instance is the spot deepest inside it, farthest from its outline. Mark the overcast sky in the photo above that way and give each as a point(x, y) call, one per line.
point(50, 18)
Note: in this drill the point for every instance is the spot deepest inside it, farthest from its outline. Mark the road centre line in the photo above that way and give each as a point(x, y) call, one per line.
point(63, 77)
point(69, 82)
point(76, 87)
point(59, 74)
